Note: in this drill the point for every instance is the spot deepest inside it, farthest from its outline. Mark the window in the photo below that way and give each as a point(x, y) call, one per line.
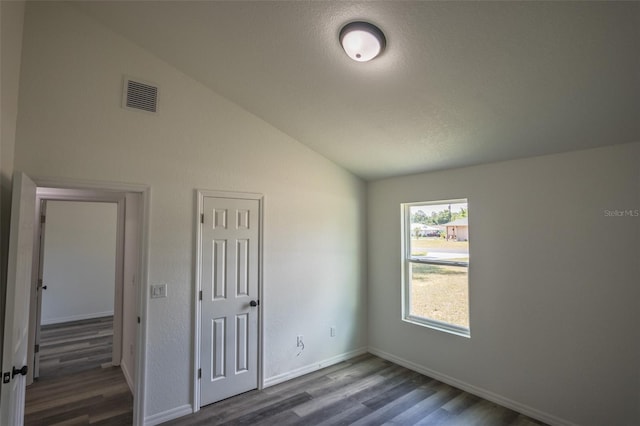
point(436, 265)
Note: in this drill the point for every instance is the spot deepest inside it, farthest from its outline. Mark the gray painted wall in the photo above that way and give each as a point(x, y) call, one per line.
point(71, 126)
point(11, 25)
point(554, 294)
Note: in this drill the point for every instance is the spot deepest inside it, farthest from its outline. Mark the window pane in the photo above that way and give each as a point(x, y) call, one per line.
point(436, 253)
point(439, 232)
point(440, 292)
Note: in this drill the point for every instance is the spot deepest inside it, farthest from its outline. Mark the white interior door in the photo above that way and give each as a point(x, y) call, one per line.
point(16, 324)
point(229, 280)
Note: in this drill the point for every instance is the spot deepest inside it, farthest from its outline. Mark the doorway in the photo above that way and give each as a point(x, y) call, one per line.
point(70, 203)
point(129, 301)
point(22, 288)
point(79, 257)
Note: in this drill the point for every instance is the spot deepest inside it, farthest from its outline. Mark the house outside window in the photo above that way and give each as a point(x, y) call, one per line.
point(436, 264)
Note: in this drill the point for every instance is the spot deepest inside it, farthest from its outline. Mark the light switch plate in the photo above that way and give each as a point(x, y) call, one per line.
point(158, 291)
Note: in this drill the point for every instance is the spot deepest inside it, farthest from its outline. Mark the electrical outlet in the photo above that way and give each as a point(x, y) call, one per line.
point(332, 332)
point(299, 341)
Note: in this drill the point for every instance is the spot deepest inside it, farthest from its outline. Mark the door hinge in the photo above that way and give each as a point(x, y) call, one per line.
point(43, 218)
point(138, 320)
point(36, 349)
point(199, 373)
point(201, 217)
point(200, 296)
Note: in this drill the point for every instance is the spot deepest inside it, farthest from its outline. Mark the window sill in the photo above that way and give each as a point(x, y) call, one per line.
point(437, 325)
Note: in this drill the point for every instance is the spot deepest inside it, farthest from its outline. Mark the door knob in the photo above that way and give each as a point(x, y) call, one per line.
point(22, 371)
point(254, 303)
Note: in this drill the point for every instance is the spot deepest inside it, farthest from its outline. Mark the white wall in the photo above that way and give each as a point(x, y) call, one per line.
point(71, 126)
point(79, 261)
point(11, 24)
point(554, 283)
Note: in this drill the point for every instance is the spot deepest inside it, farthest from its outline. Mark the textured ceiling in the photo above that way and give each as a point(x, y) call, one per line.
point(460, 83)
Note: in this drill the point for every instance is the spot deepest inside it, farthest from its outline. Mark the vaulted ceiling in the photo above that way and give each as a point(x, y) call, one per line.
point(460, 83)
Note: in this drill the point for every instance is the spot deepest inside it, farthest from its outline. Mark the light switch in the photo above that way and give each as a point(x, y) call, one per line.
point(158, 291)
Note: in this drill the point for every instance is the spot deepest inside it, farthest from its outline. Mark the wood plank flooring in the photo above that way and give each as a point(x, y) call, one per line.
point(77, 385)
point(366, 390)
point(99, 396)
point(75, 346)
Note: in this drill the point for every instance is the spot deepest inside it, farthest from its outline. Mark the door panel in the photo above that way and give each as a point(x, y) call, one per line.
point(242, 342)
point(229, 282)
point(219, 267)
point(242, 275)
point(16, 325)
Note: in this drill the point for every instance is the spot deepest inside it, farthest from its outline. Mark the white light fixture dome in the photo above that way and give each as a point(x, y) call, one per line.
point(362, 41)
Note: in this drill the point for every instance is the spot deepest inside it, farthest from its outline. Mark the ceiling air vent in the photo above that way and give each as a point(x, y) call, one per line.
point(141, 96)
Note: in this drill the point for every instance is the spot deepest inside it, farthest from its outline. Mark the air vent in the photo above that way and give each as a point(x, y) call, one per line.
point(141, 96)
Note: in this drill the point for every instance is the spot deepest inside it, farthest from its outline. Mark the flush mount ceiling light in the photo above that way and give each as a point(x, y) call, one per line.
point(362, 41)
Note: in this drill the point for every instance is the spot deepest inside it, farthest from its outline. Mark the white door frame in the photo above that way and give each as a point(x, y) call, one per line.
point(200, 195)
point(58, 194)
point(143, 265)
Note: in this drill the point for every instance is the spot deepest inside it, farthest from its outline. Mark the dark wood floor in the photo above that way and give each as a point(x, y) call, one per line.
point(77, 385)
point(99, 396)
point(364, 391)
point(75, 346)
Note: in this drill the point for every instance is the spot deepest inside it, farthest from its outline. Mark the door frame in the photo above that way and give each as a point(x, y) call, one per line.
point(197, 319)
point(43, 195)
point(142, 270)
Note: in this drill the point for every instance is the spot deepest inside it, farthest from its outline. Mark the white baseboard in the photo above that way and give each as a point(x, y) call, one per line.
point(482, 393)
point(165, 416)
point(271, 381)
point(127, 376)
point(75, 318)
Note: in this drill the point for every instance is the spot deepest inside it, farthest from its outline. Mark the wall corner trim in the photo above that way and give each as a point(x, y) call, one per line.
point(271, 381)
point(482, 393)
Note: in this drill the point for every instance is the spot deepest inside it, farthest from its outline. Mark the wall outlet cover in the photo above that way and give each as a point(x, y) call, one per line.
point(158, 291)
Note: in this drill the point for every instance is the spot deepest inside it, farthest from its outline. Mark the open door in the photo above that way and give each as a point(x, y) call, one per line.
point(16, 323)
point(39, 288)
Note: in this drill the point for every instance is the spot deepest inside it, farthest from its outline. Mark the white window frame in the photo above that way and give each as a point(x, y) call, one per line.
point(407, 261)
